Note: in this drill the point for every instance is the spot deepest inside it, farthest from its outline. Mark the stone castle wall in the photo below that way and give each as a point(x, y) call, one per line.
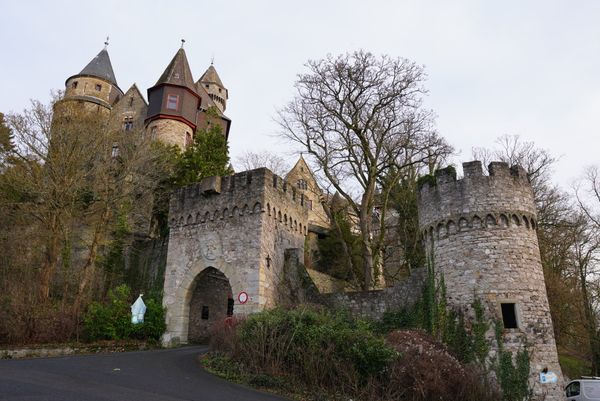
point(239, 225)
point(480, 233)
point(373, 304)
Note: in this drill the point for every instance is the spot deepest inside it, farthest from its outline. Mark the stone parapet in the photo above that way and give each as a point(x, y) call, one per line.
point(505, 191)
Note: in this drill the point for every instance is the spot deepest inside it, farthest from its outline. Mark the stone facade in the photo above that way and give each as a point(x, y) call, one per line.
point(92, 89)
point(129, 112)
point(479, 232)
point(170, 132)
point(240, 225)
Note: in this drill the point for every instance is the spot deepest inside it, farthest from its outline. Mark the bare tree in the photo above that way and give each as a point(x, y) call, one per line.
point(251, 160)
point(360, 118)
point(587, 193)
point(73, 176)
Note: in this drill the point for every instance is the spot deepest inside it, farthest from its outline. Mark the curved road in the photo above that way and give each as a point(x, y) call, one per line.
point(162, 375)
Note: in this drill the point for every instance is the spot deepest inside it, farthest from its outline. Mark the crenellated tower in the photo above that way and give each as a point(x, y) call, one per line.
point(173, 104)
point(480, 233)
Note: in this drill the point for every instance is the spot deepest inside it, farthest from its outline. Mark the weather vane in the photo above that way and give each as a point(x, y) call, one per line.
point(106, 43)
point(182, 42)
point(212, 59)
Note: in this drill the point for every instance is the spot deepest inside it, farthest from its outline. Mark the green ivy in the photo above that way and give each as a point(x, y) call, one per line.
point(513, 376)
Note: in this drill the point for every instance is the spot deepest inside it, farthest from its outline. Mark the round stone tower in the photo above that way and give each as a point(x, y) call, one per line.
point(480, 233)
point(95, 86)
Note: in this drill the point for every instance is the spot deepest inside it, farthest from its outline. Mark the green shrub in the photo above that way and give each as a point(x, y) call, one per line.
point(154, 324)
point(112, 320)
point(311, 344)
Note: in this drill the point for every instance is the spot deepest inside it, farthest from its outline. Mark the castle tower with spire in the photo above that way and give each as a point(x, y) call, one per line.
point(213, 85)
point(95, 86)
point(173, 104)
point(177, 106)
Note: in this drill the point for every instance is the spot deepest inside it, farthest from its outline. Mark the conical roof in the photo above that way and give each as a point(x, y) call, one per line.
point(178, 72)
point(210, 76)
point(100, 67)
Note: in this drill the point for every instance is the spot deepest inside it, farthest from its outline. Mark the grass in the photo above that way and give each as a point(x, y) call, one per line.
point(574, 367)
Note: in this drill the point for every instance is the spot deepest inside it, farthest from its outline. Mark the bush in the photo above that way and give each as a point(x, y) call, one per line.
point(112, 321)
point(316, 347)
point(428, 371)
point(330, 355)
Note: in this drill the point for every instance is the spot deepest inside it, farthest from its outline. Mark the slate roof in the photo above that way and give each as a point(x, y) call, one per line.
point(178, 72)
point(210, 76)
point(100, 67)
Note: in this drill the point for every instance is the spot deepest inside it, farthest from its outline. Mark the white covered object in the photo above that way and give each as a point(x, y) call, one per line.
point(138, 309)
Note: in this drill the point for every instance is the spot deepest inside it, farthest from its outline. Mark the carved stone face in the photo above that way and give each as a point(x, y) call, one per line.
point(211, 247)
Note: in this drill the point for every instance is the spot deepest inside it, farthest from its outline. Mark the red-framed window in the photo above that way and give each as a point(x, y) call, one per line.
point(172, 102)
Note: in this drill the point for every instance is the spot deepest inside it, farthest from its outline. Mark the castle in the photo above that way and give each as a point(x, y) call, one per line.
point(237, 243)
point(176, 106)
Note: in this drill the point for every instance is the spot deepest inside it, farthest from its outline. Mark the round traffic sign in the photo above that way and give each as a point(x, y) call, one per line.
point(243, 297)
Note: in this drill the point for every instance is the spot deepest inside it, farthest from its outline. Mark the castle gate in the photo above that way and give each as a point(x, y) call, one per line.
point(227, 238)
point(211, 302)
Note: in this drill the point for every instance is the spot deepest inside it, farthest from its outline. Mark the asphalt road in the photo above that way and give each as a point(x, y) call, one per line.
point(161, 375)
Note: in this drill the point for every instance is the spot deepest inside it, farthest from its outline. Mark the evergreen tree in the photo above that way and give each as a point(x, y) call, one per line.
point(206, 157)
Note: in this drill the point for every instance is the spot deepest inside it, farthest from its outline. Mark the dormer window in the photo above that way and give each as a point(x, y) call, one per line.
point(172, 102)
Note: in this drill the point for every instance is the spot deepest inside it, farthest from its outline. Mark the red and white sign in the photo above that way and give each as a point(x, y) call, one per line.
point(243, 297)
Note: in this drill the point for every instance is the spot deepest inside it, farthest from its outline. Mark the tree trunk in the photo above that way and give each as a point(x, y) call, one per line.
point(365, 236)
point(591, 324)
point(49, 264)
point(90, 264)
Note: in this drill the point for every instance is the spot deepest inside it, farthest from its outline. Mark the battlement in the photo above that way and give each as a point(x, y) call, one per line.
point(243, 194)
point(473, 170)
point(506, 190)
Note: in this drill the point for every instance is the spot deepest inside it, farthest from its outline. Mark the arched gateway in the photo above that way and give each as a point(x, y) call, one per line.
point(211, 302)
point(226, 252)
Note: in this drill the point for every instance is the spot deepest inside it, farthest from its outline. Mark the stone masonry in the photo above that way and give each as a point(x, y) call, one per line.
point(240, 225)
point(480, 233)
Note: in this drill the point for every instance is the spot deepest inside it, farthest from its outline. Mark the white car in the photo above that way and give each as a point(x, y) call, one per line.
point(585, 389)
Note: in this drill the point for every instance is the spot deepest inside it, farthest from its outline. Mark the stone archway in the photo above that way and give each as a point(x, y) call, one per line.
point(211, 302)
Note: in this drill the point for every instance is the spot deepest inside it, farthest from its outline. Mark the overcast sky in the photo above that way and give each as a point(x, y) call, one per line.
point(528, 68)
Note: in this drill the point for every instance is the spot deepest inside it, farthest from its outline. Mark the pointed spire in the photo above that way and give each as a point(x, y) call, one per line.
point(178, 72)
point(101, 67)
point(210, 76)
